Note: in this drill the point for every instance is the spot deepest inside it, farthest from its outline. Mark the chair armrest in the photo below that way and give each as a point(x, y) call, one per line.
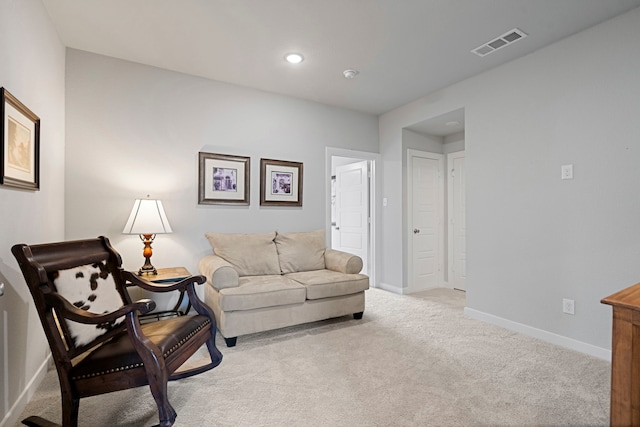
point(187, 284)
point(342, 262)
point(136, 280)
point(218, 272)
point(71, 312)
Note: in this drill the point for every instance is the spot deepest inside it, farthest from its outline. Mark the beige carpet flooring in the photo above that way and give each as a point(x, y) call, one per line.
point(411, 361)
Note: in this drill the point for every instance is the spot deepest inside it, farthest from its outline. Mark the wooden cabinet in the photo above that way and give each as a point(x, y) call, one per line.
point(625, 357)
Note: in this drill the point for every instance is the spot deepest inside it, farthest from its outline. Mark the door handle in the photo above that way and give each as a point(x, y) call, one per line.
point(416, 231)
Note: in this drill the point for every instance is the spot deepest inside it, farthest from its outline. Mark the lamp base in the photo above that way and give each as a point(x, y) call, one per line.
point(147, 268)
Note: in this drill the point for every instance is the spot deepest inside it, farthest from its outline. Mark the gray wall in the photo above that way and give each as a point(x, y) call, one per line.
point(134, 130)
point(31, 69)
point(534, 239)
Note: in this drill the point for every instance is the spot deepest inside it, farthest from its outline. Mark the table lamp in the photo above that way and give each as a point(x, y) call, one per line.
point(147, 219)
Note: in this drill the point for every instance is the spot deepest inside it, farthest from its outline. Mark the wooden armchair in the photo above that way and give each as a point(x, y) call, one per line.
point(94, 332)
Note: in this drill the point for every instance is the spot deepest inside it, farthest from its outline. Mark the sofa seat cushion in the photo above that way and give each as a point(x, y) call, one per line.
point(262, 291)
point(329, 283)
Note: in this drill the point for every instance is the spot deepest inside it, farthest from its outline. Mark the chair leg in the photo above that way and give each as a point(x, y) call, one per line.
point(38, 422)
point(70, 407)
point(158, 386)
point(214, 353)
point(155, 368)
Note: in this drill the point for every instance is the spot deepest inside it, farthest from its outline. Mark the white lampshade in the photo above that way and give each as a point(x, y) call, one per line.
point(147, 217)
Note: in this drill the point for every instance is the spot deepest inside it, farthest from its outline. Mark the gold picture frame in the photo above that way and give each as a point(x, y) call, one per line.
point(20, 153)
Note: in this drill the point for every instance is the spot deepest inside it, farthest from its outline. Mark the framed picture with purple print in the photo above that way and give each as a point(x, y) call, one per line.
point(280, 183)
point(223, 179)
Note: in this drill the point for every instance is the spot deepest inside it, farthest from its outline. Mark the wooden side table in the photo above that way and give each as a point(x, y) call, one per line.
point(625, 357)
point(169, 275)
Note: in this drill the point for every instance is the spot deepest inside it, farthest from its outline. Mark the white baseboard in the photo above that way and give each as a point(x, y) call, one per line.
point(404, 291)
point(389, 288)
point(12, 417)
point(550, 337)
point(414, 289)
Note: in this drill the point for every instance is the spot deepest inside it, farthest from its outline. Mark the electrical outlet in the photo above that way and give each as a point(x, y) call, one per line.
point(568, 306)
point(566, 172)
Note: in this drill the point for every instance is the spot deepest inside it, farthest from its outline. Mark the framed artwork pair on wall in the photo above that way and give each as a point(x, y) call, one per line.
point(225, 180)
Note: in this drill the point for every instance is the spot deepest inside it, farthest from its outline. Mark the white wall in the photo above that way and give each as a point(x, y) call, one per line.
point(532, 238)
point(31, 69)
point(134, 130)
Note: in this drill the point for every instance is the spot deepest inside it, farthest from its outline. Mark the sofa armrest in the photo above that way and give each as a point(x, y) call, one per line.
point(342, 262)
point(218, 272)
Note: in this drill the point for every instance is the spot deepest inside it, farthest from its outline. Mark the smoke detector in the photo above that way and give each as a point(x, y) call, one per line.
point(350, 74)
point(499, 42)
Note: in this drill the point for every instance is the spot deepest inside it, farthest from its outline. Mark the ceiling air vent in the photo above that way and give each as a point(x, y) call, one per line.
point(499, 42)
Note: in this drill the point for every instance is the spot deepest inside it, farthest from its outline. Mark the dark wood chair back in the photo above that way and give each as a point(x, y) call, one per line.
point(99, 351)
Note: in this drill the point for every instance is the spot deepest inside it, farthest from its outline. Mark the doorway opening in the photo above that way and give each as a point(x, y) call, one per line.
point(351, 212)
point(437, 258)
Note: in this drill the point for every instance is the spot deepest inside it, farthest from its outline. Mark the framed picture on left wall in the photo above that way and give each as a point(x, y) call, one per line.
point(223, 179)
point(20, 153)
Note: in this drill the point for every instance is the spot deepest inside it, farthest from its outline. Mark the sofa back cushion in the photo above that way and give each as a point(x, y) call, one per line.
point(249, 254)
point(301, 251)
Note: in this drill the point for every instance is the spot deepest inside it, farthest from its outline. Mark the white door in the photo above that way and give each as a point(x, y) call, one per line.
point(352, 210)
point(457, 221)
point(425, 207)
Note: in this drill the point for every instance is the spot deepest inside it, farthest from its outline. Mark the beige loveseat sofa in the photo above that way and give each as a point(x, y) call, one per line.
point(259, 282)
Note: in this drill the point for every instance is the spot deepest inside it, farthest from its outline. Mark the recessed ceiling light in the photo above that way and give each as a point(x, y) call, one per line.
point(294, 58)
point(452, 123)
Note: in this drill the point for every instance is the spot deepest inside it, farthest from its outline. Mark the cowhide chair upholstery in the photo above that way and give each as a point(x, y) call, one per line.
point(93, 328)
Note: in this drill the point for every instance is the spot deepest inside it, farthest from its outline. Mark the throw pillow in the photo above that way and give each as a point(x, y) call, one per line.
point(301, 251)
point(249, 254)
point(89, 287)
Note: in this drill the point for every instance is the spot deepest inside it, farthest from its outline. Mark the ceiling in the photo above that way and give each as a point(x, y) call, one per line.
point(403, 49)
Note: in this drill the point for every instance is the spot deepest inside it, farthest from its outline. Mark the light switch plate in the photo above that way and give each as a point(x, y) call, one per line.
point(567, 172)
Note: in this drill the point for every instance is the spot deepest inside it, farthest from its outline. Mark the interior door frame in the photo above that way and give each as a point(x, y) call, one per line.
point(451, 216)
point(374, 186)
point(342, 226)
point(409, 233)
